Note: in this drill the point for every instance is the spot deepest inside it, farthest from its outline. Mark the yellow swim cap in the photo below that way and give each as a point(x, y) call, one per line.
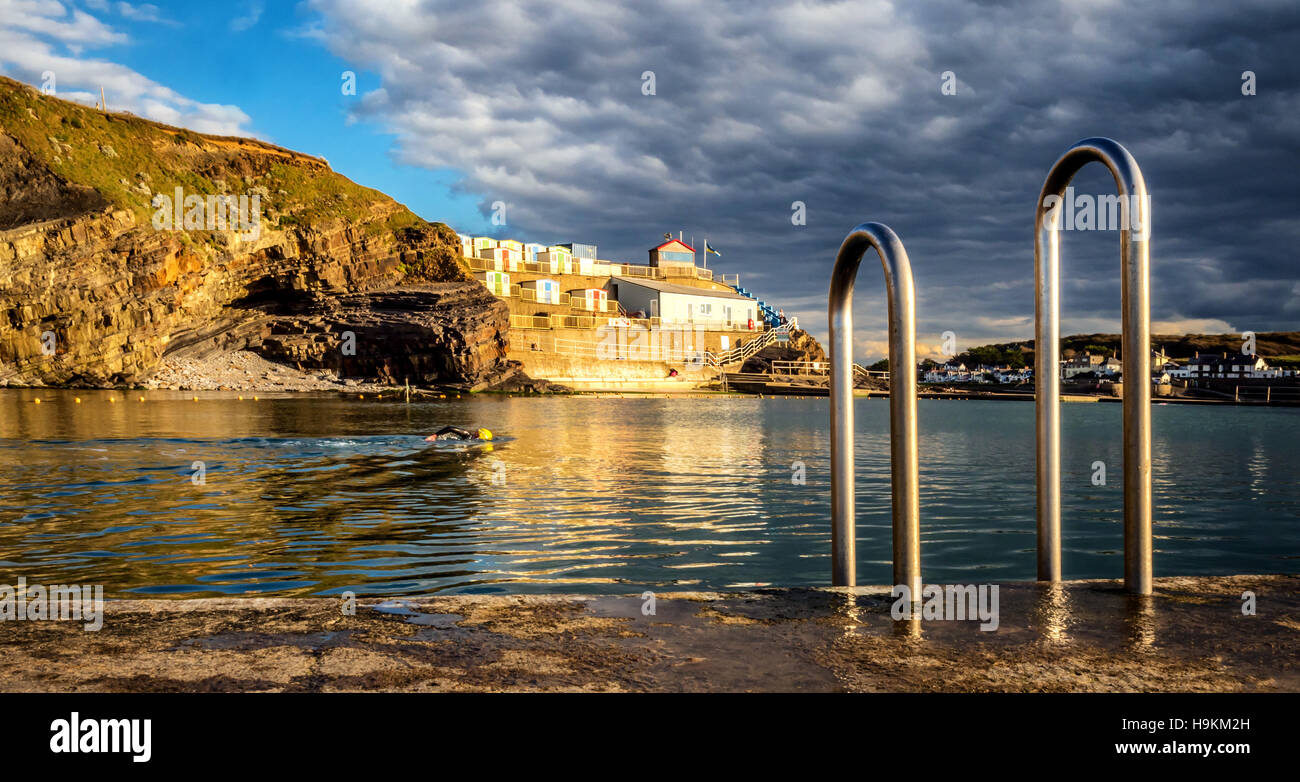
point(484, 434)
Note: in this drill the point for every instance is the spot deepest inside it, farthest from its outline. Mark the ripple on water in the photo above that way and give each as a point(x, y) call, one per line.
point(320, 495)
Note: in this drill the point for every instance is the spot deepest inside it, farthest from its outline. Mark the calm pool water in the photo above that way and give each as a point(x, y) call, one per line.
point(317, 495)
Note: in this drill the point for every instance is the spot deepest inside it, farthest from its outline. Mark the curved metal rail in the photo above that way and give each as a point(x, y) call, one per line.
point(1134, 248)
point(902, 406)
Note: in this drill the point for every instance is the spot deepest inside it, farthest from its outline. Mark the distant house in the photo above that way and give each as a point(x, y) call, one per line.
point(949, 373)
point(502, 258)
point(496, 281)
point(544, 291)
point(590, 299)
point(1228, 366)
point(674, 303)
point(1081, 363)
point(1113, 366)
point(556, 260)
point(673, 255)
point(531, 250)
point(587, 251)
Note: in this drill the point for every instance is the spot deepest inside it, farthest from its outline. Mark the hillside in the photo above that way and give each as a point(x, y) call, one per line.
point(92, 293)
point(1279, 348)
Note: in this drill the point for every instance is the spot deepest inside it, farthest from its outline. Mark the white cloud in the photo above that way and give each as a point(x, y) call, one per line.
point(39, 36)
point(252, 15)
point(1192, 326)
point(838, 104)
point(145, 12)
point(73, 28)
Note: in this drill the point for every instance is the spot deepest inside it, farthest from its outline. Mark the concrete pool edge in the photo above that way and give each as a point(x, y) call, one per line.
point(1191, 635)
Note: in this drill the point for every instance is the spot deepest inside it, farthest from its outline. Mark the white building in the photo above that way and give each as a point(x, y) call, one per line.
point(1227, 367)
point(950, 373)
point(674, 303)
point(1110, 367)
point(1080, 364)
point(542, 291)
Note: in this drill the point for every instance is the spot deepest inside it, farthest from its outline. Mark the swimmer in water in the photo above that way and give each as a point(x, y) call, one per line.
point(456, 433)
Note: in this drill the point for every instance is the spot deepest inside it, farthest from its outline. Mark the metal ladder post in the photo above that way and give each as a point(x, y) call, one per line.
point(1134, 248)
point(902, 406)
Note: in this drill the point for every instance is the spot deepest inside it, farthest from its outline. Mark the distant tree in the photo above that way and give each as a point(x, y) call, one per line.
point(880, 366)
point(984, 355)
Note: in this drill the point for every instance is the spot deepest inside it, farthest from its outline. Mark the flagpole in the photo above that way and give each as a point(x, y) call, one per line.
point(706, 251)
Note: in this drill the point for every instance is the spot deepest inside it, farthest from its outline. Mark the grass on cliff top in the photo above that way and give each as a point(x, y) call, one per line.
point(119, 154)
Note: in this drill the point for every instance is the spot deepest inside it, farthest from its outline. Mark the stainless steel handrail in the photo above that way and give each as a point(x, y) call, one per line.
point(902, 406)
point(1134, 248)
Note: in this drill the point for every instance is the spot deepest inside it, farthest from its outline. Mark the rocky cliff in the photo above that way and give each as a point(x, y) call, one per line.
point(98, 284)
point(802, 346)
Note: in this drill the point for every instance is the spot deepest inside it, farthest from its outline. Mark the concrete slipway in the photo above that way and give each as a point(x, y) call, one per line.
point(1191, 635)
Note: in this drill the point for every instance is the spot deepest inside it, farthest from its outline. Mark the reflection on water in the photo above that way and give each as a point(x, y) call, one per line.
point(317, 495)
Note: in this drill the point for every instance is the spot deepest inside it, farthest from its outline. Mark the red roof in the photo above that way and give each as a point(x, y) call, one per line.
point(675, 241)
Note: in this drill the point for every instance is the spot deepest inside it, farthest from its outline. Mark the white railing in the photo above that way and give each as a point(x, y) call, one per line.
point(530, 322)
point(740, 354)
point(670, 353)
point(801, 367)
point(861, 371)
point(595, 269)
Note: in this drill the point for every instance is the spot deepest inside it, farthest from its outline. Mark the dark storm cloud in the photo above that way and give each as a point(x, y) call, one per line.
point(539, 104)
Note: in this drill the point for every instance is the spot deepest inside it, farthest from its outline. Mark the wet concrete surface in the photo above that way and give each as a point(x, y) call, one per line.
point(1191, 635)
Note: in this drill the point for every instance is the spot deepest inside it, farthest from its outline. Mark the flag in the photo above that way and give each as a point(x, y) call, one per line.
point(708, 248)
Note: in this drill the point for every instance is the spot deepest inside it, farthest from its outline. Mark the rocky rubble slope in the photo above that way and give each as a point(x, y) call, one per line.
point(92, 294)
